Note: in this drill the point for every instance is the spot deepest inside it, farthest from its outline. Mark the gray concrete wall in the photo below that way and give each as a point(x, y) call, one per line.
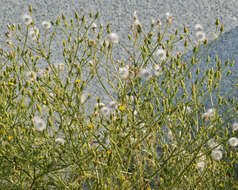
point(119, 14)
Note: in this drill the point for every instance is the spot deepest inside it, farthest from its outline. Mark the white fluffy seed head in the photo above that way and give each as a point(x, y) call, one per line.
point(235, 126)
point(134, 15)
point(215, 36)
point(198, 27)
point(124, 72)
point(60, 140)
point(130, 98)
point(99, 105)
point(211, 143)
point(187, 109)
point(39, 123)
point(168, 14)
point(105, 43)
point(34, 32)
point(105, 110)
point(113, 37)
point(145, 74)
point(170, 135)
point(31, 76)
point(46, 25)
point(161, 53)
point(27, 19)
point(216, 155)
point(136, 22)
point(209, 114)
point(113, 105)
point(83, 98)
point(233, 141)
point(169, 18)
point(94, 27)
point(59, 66)
point(157, 70)
point(201, 165)
point(201, 36)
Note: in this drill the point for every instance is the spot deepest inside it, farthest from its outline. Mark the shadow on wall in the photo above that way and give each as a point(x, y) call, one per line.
point(225, 48)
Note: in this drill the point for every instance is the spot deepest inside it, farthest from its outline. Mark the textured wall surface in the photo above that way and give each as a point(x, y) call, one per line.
point(119, 14)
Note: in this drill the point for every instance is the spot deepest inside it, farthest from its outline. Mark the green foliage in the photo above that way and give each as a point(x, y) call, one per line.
point(156, 132)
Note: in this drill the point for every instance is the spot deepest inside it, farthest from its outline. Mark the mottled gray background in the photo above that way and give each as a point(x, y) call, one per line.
point(119, 14)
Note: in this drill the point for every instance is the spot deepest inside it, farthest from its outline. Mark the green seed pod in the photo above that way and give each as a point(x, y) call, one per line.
point(38, 108)
point(19, 27)
point(185, 43)
point(159, 35)
point(76, 15)
point(139, 28)
point(83, 19)
point(108, 29)
point(110, 46)
point(182, 84)
point(50, 111)
point(195, 49)
point(167, 54)
point(176, 32)
point(227, 62)
point(30, 9)
point(218, 75)
point(232, 64)
point(63, 16)
point(233, 100)
point(58, 21)
point(228, 73)
point(219, 100)
point(193, 91)
point(13, 27)
point(69, 39)
point(50, 122)
point(208, 59)
point(129, 37)
point(146, 50)
point(185, 30)
point(172, 37)
point(71, 21)
point(222, 28)
point(97, 15)
point(66, 24)
point(43, 53)
point(217, 22)
point(150, 35)
point(198, 71)
point(99, 36)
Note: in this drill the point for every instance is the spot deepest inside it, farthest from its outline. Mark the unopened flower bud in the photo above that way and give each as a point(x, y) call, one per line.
point(217, 22)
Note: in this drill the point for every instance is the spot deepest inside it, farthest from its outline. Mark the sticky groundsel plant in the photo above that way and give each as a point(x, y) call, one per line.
point(164, 126)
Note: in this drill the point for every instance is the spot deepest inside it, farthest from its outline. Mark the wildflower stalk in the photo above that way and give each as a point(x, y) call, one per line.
point(151, 139)
point(25, 41)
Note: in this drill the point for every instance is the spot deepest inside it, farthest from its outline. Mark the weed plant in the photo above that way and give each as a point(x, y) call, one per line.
point(158, 130)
